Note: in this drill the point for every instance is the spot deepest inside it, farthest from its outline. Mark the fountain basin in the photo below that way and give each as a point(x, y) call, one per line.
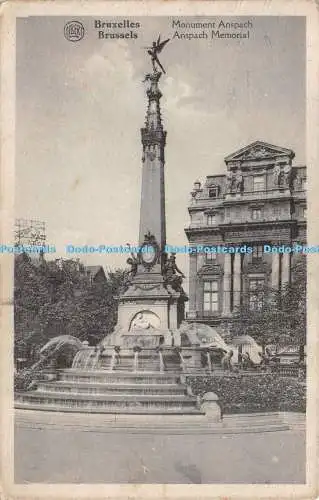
point(167, 359)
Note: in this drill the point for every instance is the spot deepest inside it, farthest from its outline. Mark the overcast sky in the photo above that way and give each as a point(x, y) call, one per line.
point(80, 107)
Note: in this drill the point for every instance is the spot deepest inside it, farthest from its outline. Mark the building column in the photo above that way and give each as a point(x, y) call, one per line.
point(237, 279)
point(285, 268)
point(192, 310)
point(227, 284)
point(275, 271)
point(200, 260)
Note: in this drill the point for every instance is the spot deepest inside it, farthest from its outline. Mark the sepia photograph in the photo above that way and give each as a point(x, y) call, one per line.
point(159, 250)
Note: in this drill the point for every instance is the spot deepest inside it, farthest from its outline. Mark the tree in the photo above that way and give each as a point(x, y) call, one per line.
point(30, 295)
point(294, 305)
point(261, 320)
point(54, 299)
point(280, 318)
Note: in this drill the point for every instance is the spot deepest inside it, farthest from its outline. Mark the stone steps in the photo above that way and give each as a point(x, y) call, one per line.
point(295, 420)
point(108, 388)
point(169, 423)
point(178, 398)
point(104, 407)
point(257, 421)
point(110, 392)
point(124, 377)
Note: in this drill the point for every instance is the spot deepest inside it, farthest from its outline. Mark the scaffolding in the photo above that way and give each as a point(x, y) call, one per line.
point(29, 232)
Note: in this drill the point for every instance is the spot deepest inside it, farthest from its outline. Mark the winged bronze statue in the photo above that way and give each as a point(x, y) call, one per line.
point(155, 49)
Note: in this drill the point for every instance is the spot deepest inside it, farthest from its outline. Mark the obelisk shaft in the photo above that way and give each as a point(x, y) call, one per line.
point(152, 212)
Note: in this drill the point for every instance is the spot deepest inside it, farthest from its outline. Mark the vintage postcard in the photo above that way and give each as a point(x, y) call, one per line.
point(159, 249)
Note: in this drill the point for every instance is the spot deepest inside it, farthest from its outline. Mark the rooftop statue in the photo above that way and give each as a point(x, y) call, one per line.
point(155, 49)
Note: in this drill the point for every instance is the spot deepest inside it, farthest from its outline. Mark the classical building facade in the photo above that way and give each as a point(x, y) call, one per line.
point(261, 200)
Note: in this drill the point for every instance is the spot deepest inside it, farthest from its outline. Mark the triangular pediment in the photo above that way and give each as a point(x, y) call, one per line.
point(259, 150)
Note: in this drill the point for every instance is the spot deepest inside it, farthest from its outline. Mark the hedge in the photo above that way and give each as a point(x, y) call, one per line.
point(249, 393)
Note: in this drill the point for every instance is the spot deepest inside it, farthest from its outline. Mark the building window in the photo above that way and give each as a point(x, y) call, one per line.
point(210, 256)
point(276, 210)
point(211, 220)
point(304, 212)
point(256, 213)
point(237, 213)
point(303, 183)
point(257, 254)
point(213, 192)
point(211, 296)
point(258, 183)
point(256, 293)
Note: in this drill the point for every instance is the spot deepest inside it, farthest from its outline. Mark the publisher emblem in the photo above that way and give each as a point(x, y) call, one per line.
point(74, 31)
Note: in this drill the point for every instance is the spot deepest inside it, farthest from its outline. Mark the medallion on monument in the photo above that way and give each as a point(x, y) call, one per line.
point(149, 252)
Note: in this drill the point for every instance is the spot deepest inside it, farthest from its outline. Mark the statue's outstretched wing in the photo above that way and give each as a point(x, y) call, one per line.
point(161, 45)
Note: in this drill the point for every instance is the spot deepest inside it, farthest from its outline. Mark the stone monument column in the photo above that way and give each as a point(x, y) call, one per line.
point(151, 308)
point(152, 212)
point(192, 286)
point(285, 268)
point(237, 279)
point(275, 270)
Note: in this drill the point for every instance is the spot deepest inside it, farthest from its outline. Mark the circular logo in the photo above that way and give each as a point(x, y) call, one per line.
point(74, 31)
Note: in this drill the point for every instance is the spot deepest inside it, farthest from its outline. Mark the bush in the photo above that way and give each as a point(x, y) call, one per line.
point(26, 380)
point(249, 393)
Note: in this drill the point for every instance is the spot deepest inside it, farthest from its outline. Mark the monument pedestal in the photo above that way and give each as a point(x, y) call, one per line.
point(149, 313)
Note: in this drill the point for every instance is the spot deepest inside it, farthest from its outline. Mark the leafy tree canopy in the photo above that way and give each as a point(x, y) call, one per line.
point(281, 316)
point(58, 298)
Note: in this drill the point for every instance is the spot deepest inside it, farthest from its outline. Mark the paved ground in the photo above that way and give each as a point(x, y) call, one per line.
point(60, 455)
